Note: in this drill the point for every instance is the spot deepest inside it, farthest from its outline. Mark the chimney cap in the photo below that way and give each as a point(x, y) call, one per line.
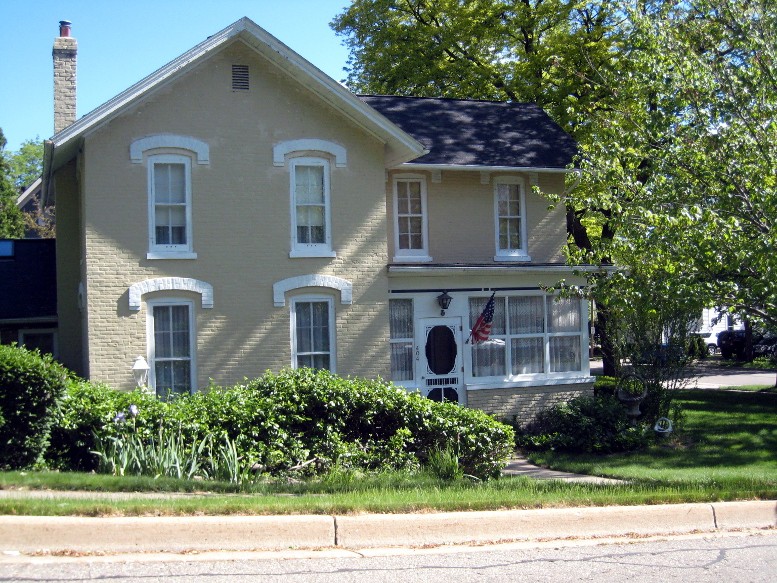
point(64, 27)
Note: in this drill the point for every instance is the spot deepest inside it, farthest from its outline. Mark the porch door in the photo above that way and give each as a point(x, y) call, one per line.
point(440, 359)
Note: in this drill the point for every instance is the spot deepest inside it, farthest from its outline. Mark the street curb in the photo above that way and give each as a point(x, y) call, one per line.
point(57, 534)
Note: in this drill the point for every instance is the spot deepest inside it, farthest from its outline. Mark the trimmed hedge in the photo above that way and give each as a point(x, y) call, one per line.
point(30, 385)
point(302, 420)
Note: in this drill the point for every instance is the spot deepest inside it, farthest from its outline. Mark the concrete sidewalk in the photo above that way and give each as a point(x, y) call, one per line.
point(25, 535)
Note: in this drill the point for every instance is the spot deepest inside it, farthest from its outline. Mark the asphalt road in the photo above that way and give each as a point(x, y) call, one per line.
point(733, 558)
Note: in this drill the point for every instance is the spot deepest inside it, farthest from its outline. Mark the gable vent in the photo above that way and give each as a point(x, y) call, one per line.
point(240, 78)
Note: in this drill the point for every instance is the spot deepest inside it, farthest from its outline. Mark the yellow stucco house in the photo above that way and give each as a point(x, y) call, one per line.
point(238, 210)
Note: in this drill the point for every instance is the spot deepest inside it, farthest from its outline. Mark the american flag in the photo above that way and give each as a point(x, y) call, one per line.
point(482, 328)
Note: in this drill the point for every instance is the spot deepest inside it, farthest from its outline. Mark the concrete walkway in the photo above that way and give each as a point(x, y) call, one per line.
point(522, 467)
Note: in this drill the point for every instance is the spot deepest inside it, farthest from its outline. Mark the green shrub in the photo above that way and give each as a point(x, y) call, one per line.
point(93, 413)
point(303, 421)
point(30, 386)
point(584, 424)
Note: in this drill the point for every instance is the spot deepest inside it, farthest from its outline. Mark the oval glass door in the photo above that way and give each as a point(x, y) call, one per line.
point(441, 350)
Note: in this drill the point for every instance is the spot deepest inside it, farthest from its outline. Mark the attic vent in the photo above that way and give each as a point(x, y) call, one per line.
point(240, 78)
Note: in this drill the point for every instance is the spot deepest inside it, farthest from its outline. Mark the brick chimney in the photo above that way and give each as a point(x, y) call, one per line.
point(64, 53)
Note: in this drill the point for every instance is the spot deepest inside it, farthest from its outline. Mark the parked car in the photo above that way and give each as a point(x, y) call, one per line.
point(733, 343)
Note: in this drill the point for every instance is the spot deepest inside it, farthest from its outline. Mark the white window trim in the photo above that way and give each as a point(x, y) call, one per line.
point(521, 254)
point(158, 141)
point(532, 379)
point(137, 290)
point(279, 288)
point(411, 255)
point(305, 298)
point(52, 331)
point(170, 251)
point(151, 344)
point(282, 149)
point(311, 249)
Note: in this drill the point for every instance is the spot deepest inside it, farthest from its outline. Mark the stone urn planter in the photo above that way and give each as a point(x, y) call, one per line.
point(631, 391)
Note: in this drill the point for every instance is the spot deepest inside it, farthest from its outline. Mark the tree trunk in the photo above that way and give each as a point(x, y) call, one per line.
point(609, 354)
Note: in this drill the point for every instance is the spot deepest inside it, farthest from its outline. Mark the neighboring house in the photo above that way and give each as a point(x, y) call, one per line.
point(238, 210)
point(28, 299)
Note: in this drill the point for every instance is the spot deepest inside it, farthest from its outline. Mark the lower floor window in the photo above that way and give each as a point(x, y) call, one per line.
point(312, 331)
point(44, 340)
point(529, 335)
point(171, 351)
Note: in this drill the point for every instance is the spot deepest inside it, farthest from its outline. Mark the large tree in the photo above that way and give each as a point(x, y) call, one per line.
point(514, 50)
point(11, 219)
point(692, 176)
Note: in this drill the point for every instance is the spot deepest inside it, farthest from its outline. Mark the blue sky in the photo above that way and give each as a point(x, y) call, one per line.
point(122, 41)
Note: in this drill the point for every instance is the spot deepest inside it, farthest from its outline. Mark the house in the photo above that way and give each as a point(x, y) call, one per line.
point(238, 210)
point(28, 300)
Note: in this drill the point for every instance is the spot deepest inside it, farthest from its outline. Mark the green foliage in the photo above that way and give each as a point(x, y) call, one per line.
point(26, 164)
point(30, 386)
point(302, 421)
point(11, 218)
point(584, 424)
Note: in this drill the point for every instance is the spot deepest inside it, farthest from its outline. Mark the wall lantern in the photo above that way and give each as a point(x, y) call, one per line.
point(140, 371)
point(444, 300)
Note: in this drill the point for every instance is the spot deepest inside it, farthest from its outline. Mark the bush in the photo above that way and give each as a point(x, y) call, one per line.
point(305, 421)
point(583, 425)
point(30, 386)
point(91, 413)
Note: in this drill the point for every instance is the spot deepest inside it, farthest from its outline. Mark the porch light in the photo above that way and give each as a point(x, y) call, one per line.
point(140, 371)
point(444, 300)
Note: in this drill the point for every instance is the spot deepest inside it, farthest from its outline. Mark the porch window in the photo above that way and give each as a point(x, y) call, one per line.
point(401, 339)
point(535, 335)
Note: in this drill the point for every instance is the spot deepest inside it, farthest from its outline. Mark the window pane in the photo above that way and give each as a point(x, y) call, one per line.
point(310, 224)
point(564, 314)
point(527, 315)
point(488, 358)
point(527, 355)
point(169, 183)
point(565, 353)
point(402, 361)
point(180, 331)
point(476, 307)
point(309, 184)
point(401, 318)
point(509, 233)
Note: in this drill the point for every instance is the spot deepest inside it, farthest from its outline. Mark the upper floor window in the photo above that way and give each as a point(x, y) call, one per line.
point(169, 191)
point(510, 220)
point(170, 212)
point(311, 231)
point(410, 220)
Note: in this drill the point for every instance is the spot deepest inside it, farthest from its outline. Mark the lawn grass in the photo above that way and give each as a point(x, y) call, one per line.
point(726, 450)
point(728, 440)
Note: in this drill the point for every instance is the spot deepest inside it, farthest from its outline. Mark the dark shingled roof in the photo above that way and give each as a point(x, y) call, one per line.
point(28, 282)
point(479, 133)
